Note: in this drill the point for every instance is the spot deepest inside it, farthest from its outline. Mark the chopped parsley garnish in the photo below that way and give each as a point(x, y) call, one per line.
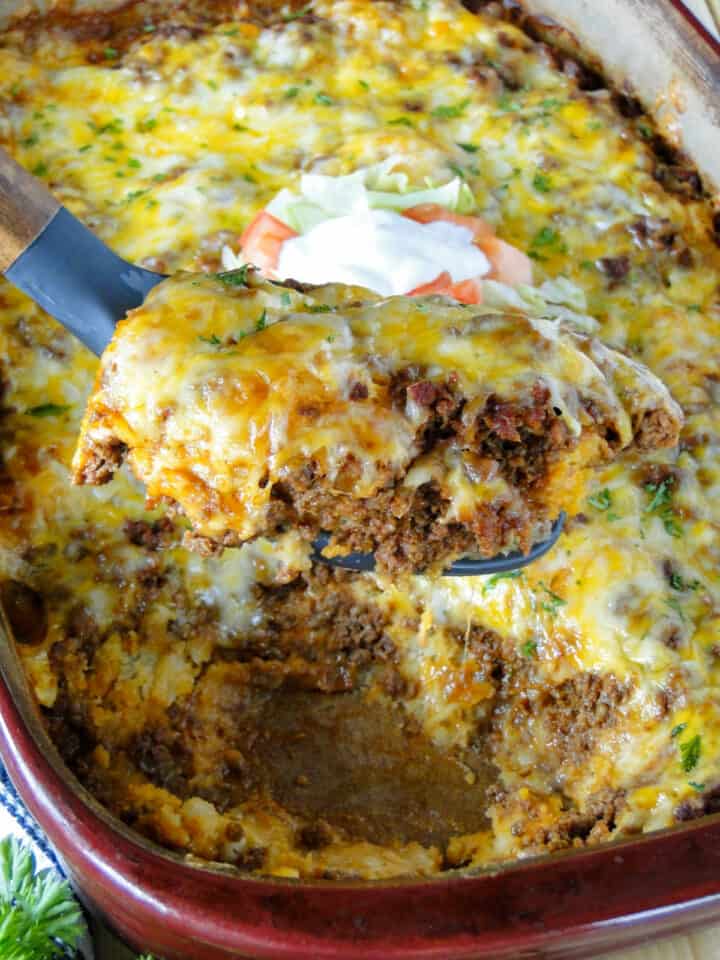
point(546, 239)
point(212, 84)
point(111, 53)
point(468, 147)
point(330, 338)
point(48, 410)
point(695, 307)
point(297, 14)
point(401, 122)
point(458, 171)
point(213, 340)
point(677, 583)
point(645, 131)
point(450, 111)
point(554, 601)
point(690, 753)
point(234, 278)
point(676, 731)
point(112, 126)
point(529, 648)
point(134, 194)
point(261, 321)
point(31, 140)
point(291, 92)
point(364, 84)
point(146, 125)
point(603, 502)
point(323, 99)
point(285, 299)
point(319, 308)
point(542, 182)
point(660, 505)
point(506, 103)
point(40, 170)
point(497, 577)
point(134, 163)
point(696, 786)
point(85, 148)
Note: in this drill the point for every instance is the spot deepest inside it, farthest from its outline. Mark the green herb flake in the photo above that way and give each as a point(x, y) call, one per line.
point(529, 648)
point(542, 183)
point(48, 410)
point(110, 53)
point(468, 147)
point(645, 131)
point(678, 583)
point(554, 601)
point(134, 163)
point(40, 170)
point(450, 111)
point(149, 28)
point(401, 122)
point(261, 321)
point(696, 786)
point(546, 239)
point(660, 505)
point(297, 14)
point(676, 731)
point(497, 577)
point(695, 307)
point(506, 103)
point(319, 308)
point(364, 84)
point(285, 299)
point(330, 338)
point(602, 500)
point(690, 753)
point(30, 141)
point(212, 84)
point(15, 88)
point(323, 99)
point(147, 124)
point(213, 340)
point(291, 93)
point(234, 278)
point(85, 147)
point(458, 171)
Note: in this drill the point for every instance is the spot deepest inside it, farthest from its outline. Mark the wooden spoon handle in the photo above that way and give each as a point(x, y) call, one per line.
point(26, 208)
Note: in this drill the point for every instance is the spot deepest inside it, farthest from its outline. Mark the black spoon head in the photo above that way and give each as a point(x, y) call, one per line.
point(465, 567)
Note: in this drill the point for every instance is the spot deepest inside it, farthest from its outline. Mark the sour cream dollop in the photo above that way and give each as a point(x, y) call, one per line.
point(382, 250)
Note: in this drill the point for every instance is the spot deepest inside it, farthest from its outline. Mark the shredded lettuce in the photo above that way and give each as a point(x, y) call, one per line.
point(378, 187)
point(557, 299)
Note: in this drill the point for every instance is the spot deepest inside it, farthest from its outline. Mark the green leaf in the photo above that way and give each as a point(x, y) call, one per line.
point(468, 147)
point(234, 278)
point(111, 53)
point(554, 601)
point(48, 410)
point(497, 577)
point(690, 753)
point(213, 340)
point(261, 322)
point(676, 731)
point(323, 99)
point(39, 918)
point(602, 500)
point(542, 183)
point(529, 648)
point(450, 111)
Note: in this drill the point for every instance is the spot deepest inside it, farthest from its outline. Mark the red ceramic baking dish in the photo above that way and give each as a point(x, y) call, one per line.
point(569, 905)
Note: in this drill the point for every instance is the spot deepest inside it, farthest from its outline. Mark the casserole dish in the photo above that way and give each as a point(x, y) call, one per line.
point(566, 904)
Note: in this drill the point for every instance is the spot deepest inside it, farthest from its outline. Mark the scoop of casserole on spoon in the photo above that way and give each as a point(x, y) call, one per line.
point(415, 430)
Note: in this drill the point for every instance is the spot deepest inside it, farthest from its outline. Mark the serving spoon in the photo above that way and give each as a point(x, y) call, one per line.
point(68, 271)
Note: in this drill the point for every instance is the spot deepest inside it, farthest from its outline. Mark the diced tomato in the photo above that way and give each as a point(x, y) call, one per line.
point(432, 212)
point(262, 239)
point(509, 265)
point(468, 291)
point(441, 284)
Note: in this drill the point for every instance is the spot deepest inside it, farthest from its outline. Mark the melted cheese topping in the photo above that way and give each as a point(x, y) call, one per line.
point(220, 388)
point(166, 146)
